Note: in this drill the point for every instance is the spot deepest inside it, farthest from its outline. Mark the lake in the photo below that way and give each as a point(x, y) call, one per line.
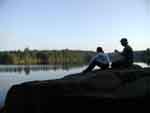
point(15, 74)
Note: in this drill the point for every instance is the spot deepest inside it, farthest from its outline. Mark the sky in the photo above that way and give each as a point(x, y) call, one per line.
point(74, 24)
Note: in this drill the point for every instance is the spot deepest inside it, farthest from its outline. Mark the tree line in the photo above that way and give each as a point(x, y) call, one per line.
point(147, 56)
point(28, 56)
point(64, 57)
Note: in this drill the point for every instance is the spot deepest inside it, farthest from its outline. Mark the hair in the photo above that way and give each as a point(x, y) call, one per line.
point(100, 49)
point(124, 40)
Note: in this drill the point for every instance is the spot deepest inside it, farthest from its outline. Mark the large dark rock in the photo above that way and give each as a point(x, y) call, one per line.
point(117, 85)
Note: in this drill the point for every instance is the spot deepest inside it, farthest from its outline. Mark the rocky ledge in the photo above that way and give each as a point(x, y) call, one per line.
point(106, 86)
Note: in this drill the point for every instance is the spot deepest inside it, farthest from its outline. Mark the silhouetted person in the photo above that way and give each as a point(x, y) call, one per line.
point(127, 54)
point(101, 59)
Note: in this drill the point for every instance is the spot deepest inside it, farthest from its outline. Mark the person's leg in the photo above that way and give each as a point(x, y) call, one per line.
point(119, 64)
point(95, 63)
point(90, 67)
point(116, 64)
point(103, 66)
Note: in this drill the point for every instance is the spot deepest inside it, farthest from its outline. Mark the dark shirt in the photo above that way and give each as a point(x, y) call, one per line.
point(128, 54)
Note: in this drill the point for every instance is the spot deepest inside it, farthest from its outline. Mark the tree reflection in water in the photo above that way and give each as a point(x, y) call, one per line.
point(28, 68)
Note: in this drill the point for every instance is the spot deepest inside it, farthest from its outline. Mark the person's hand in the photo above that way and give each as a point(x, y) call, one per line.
point(116, 51)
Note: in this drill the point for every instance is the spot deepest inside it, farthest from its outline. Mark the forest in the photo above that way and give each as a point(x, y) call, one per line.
point(27, 56)
point(54, 57)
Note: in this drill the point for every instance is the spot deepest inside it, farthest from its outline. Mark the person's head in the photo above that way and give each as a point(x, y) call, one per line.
point(99, 49)
point(124, 42)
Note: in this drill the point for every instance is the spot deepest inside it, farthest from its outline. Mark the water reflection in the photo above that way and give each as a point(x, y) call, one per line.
point(16, 74)
point(28, 68)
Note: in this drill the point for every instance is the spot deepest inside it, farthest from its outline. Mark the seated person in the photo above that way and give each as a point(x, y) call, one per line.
point(101, 59)
point(127, 55)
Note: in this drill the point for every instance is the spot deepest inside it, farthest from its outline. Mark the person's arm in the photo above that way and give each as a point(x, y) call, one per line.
point(94, 58)
point(108, 59)
point(116, 51)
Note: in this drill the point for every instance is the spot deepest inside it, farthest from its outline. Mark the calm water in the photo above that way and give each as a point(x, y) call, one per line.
point(15, 74)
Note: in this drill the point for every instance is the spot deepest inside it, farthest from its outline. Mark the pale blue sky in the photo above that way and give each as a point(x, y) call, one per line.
point(74, 24)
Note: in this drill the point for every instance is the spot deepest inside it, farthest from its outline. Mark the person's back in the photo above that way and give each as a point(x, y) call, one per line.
point(128, 54)
point(101, 59)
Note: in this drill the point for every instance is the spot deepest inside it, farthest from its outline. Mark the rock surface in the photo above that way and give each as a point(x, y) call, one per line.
point(101, 86)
